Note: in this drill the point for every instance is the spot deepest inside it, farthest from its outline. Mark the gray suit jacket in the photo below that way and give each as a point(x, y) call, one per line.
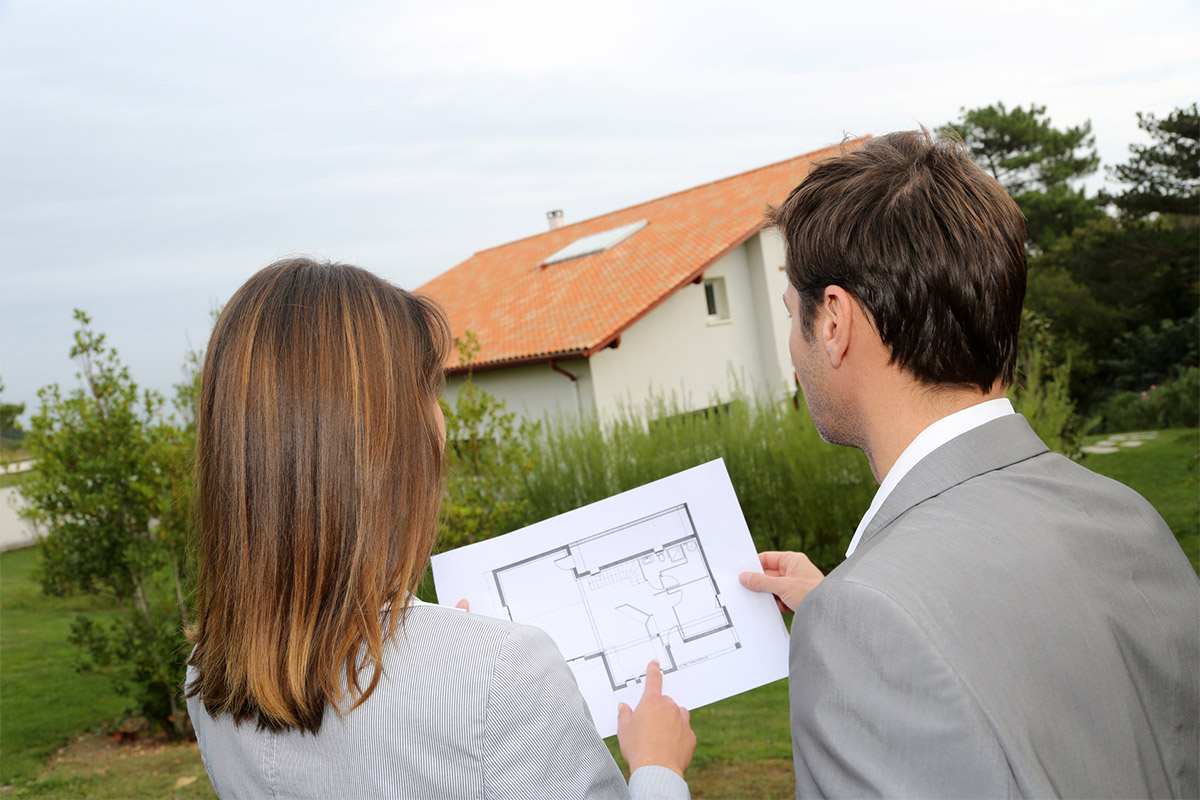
point(1011, 624)
point(468, 707)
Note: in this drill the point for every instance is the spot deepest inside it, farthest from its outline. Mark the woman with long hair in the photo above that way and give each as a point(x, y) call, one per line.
point(316, 671)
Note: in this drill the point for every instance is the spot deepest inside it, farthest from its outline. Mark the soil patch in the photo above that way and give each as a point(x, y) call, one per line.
point(122, 763)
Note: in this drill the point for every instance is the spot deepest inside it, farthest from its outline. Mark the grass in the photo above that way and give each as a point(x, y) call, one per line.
point(94, 766)
point(13, 478)
point(744, 747)
point(44, 700)
point(1164, 471)
point(744, 742)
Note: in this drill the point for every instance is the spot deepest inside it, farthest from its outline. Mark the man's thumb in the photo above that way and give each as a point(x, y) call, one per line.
point(758, 582)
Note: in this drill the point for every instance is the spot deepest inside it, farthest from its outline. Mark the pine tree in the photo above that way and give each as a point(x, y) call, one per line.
point(1163, 177)
point(1036, 163)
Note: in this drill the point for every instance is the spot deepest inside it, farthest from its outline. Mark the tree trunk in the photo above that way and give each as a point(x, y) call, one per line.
point(178, 589)
point(178, 720)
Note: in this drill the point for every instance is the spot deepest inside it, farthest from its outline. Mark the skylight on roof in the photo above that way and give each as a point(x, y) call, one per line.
point(595, 243)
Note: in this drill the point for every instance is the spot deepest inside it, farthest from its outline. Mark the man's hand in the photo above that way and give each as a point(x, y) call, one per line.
point(659, 732)
point(788, 576)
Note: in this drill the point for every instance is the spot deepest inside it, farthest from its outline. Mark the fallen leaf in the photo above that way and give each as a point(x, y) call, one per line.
point(186, 780)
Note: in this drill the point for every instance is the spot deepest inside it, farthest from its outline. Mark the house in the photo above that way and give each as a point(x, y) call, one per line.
point(679, 295)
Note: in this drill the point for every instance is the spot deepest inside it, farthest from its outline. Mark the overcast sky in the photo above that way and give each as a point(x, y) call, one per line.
point(153, 155)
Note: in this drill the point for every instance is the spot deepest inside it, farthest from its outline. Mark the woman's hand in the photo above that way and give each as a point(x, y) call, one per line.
point(658, 732)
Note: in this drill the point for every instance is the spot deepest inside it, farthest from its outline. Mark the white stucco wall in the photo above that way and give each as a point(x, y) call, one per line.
point(766, 257)
point(535, 390)
point(676, 349)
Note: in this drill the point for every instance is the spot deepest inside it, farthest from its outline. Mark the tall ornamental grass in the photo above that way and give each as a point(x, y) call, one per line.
point(796, 491)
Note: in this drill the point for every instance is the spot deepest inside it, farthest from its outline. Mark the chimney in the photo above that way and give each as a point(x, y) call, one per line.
point(555, 218)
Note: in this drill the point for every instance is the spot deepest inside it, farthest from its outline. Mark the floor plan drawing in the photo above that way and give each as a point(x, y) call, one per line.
point(624, 596)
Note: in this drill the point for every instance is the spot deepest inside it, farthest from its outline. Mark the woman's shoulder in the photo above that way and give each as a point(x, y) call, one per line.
point(435, 618)
point(465, 637)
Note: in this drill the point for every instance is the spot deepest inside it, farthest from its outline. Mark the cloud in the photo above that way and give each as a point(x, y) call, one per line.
point(153, 155)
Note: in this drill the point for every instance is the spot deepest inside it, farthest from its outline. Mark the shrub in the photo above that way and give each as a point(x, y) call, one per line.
point(1172, 404)
point(1151, 355)
point(1042, 390)
point(486, 450)
point(111, 491)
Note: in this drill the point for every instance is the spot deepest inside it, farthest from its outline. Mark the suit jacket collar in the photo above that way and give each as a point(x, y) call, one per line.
point(994, 445)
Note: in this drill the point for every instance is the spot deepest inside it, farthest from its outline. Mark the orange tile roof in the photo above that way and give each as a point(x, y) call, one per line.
point(521, 312)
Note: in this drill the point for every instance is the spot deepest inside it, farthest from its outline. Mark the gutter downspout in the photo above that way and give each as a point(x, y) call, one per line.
point(574, 382)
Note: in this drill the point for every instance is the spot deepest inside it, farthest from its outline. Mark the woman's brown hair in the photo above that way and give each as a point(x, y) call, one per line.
point(318, 480)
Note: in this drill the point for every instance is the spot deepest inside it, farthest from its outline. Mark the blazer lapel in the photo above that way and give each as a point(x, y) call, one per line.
point(993, 445)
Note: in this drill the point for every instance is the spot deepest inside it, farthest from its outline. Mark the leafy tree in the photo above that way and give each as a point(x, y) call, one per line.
point(1108, 278)
point(1163, 177)
point(110, 490)
point(10, 429)
point(1153, 354)
point(487, 451)
point(1036, 163)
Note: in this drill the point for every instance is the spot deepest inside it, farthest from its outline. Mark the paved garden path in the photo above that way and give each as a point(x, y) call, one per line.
point(1112, 444)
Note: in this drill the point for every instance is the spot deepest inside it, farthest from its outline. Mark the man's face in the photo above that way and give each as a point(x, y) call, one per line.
point(813, 370)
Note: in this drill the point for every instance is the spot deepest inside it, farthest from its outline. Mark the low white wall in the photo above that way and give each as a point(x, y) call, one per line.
point(15, 531)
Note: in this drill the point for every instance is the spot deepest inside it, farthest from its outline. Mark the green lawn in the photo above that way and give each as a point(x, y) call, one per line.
point(13, 478)
point(744, 742)
point(43, 699)
point(1164, 471)
point(744, 747)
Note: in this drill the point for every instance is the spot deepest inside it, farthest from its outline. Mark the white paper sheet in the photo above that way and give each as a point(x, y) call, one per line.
point(648, 573)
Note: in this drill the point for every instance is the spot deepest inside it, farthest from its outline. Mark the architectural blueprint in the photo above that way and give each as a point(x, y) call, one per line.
point(625, 596)
point(646, 574)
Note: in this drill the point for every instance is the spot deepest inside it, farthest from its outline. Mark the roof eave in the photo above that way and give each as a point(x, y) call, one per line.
point(539, 358)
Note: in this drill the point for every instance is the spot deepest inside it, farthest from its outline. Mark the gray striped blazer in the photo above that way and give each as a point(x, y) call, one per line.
point(468, 707)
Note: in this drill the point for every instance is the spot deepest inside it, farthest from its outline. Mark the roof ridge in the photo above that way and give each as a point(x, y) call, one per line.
point(811, 154)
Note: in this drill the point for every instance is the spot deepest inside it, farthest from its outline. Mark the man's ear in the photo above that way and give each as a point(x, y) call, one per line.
point(836, 324)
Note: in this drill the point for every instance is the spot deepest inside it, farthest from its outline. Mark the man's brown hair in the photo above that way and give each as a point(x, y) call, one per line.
point(319, 475)
point(928, 243)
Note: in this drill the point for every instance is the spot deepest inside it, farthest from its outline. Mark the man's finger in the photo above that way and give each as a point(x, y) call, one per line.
point(653, 680)
point(771, 558)
point(757, 582)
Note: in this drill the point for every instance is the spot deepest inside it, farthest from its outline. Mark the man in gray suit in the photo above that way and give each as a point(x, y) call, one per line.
point(1006, 622)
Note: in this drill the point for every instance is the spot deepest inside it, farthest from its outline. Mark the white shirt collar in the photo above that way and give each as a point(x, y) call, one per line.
point(927, 441)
